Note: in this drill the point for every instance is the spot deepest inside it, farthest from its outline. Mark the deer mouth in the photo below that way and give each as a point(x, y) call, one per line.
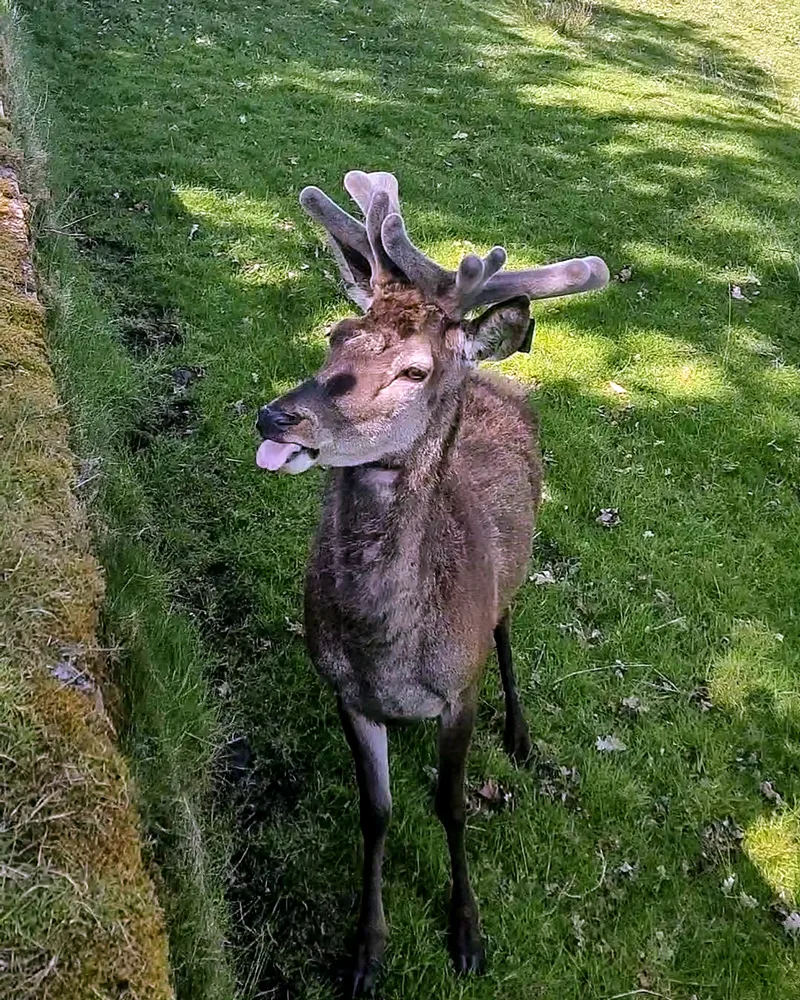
point(285, 456)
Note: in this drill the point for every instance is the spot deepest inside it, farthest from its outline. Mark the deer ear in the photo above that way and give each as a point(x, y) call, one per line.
point(355, 271)
point(500, 331)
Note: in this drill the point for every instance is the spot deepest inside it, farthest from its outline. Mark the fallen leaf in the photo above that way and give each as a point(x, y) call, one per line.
point(634, 705)
point(624, 274)
point(491, 791)
point(769, 792)
point(194, 230)
point(721, 840)
point(295, 628)
point(557, 782)
point(493, 796)
point(578, 923)
point(701, 698)
point(791, 922)
point(609, 744)
point(585, 636)
point(543, 578)
point(608, 517)
point(648, 534)
point(617, 388)
point(461, 135)
point(627, 870)
point(72, 676)
point(728, 884)
point(749, 902)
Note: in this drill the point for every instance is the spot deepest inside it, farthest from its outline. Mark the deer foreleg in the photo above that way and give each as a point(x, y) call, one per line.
point(369, 744)
point(455, 730)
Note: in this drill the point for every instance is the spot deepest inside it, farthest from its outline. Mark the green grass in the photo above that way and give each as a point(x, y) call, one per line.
point(663, 137)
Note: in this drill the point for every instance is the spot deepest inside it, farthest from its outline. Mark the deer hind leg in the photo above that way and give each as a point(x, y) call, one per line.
point(369, 744)
point(516, 738)
point(455, 730)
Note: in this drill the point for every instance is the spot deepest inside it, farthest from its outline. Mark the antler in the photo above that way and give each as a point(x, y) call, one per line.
point(380, 251)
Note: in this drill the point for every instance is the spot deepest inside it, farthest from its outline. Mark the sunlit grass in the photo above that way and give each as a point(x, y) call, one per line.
point(772, 843)
point(756, 666)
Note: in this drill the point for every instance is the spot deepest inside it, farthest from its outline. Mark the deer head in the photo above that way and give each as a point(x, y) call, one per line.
point(391, 373)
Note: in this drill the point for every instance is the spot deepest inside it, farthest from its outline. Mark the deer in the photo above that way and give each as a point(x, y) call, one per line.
point(433, 484)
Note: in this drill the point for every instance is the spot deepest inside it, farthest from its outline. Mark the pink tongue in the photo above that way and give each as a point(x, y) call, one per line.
point(272, 455)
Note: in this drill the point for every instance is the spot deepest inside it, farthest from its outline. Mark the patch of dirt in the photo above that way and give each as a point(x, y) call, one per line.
point(181, 378)
point(221, 599)
point(106, 252)
point(556, 781)
point(175, 418)
point(721, 842)
point(256, 789)
point(151, 328)
point(552, 563)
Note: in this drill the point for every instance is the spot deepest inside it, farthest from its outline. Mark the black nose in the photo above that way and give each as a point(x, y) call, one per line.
point(272, 421)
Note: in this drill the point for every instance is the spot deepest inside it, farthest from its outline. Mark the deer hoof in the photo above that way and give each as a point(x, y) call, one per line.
point(366, 966)
point(466, 945)
point(518, 746)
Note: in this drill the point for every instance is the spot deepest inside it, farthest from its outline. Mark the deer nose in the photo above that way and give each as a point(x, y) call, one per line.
point(272, 421)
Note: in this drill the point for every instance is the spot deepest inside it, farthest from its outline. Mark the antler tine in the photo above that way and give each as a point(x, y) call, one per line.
point(338, 223)
point(469, 276)
point(377, 213)
point(568, 277)
point(493, 261)
point(472, 275)
point(420, 270)
point(362, 187)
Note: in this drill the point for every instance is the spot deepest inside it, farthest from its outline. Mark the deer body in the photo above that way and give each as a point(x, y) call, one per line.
point(414, 565)
point(428, 514)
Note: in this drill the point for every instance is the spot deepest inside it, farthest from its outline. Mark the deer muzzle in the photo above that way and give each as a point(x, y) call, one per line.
point(277, 451)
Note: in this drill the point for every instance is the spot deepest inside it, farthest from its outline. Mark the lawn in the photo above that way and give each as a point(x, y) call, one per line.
point(663, 136)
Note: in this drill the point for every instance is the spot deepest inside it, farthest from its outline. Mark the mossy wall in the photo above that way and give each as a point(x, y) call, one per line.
point(78, 912)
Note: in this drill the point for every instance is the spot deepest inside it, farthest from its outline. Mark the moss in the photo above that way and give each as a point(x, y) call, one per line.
point(78, 912)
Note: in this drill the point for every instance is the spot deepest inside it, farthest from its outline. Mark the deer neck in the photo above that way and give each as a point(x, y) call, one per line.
point(384, 505)
point(405, 481)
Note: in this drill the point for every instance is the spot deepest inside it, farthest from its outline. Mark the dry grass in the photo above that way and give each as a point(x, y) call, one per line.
point(569, 17)
point(78, 912)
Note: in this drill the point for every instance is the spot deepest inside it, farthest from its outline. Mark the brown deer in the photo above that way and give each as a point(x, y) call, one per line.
point(428, 513)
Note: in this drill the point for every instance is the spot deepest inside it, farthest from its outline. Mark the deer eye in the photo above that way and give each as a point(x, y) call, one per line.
point(414, 374)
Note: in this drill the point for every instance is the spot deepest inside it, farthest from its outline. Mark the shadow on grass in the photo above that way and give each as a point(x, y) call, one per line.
point(647, 141)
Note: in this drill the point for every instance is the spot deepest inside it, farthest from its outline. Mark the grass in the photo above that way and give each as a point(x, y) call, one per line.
point(571, 17)
point(663, 137)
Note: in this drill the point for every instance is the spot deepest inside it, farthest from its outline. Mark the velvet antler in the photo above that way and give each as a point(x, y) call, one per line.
point(381, 251)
